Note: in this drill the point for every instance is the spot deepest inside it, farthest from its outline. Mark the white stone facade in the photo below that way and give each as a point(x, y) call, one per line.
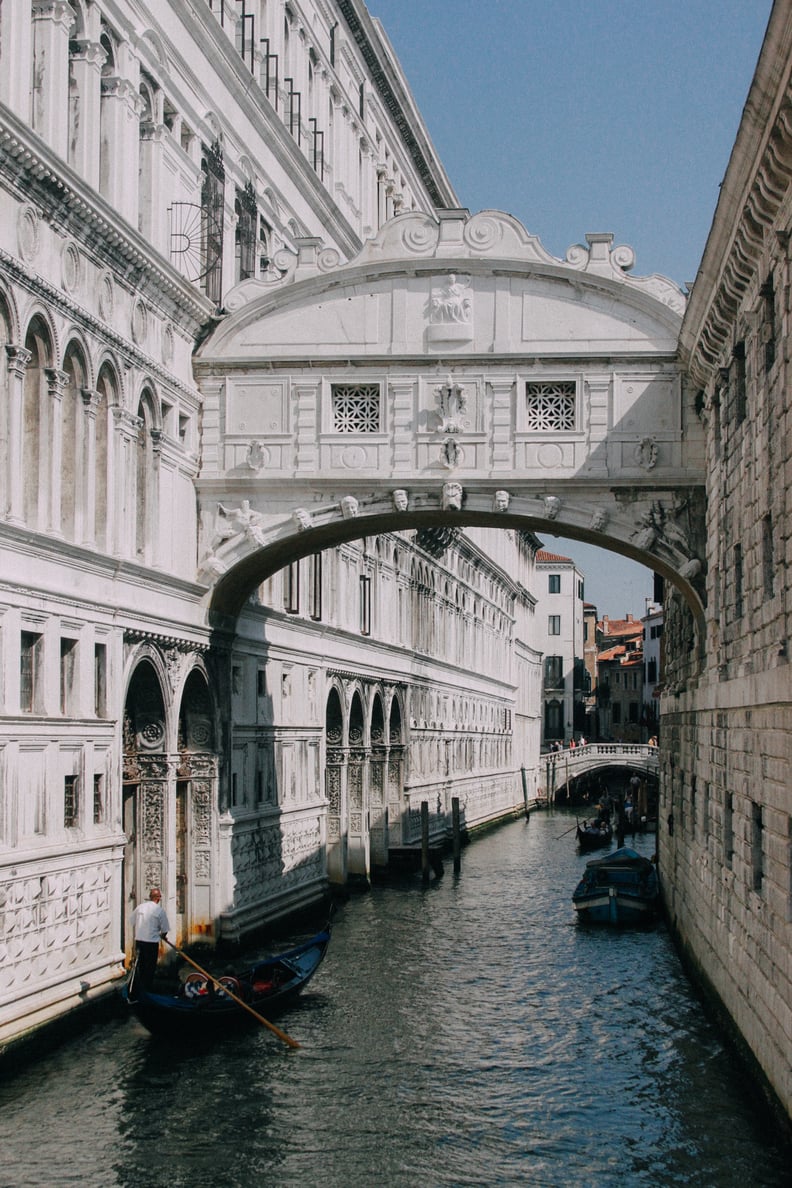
point(152, 159)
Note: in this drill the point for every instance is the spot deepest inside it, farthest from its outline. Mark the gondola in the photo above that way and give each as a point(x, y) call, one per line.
point(203, 1009)
point(621, 888)
point(593, 835)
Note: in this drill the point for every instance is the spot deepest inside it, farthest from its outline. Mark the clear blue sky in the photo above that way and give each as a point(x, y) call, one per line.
point(586, 115)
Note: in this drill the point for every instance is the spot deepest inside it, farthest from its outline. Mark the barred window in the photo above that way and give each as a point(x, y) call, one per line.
point(356, 408)
point(70, 801)
point(550, 405)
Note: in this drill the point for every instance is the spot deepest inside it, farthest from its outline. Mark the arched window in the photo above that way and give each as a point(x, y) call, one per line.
point(107, 393)
point(144, 479)
point(36, 417)
point(73, 440)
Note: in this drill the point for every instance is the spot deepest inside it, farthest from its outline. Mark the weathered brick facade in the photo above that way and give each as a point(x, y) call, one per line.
point(727, 732)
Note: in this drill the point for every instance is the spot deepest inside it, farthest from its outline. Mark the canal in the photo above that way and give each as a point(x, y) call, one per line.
point(465, 1033)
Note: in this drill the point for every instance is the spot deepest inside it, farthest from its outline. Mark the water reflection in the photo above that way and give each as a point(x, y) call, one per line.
point(470, 1032)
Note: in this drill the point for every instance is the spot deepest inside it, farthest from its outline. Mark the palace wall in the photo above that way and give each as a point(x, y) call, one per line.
point(726, 846)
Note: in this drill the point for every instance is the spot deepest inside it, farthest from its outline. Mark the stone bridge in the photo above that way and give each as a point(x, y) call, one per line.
point(453, 373)
point(566, 765)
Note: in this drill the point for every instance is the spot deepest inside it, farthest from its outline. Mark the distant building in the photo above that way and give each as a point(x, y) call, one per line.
point(619, 678)
point(559, 619)
point(653, 668)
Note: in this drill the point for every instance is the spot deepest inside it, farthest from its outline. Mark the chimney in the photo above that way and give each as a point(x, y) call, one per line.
point(629, 618)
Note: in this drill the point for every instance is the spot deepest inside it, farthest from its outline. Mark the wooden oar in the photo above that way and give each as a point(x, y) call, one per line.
point(566, 831)
point(287, 1039)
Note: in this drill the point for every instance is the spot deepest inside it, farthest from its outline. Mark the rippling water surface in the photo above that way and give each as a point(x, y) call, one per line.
point(466, 1033)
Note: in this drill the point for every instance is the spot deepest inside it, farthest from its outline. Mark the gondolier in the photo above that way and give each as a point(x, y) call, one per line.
point(151, 925)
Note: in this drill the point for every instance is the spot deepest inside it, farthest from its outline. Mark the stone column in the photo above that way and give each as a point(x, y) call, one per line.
point(502, 422)
point(11, 463)
point(306, 427)
point(16, 29)
point(119, 164)
point(153, 213)
point(335, 790)
point(86, 62)
point(395, 789)
point(85, 483)
point(378, 829)
point(357, 771)
point(153, 541)
point(51, 460)
point(127, 427)
point(52, 20)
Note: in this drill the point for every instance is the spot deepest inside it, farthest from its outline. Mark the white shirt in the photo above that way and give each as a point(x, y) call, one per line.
point(150, 921)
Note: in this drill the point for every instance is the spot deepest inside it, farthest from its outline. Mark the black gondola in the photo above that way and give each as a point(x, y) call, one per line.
point(204, 1007)
point(593, 835)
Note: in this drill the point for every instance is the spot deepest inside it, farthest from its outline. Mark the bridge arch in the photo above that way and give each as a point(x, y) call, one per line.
point(454, 373)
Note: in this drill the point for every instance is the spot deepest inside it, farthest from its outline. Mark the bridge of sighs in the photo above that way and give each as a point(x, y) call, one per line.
point(453, 373)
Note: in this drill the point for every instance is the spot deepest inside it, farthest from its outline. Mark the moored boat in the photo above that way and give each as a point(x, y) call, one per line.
point(208, 1007)
point(621, 888)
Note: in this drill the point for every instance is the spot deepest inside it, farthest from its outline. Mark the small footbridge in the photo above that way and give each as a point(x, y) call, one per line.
point(561, 767)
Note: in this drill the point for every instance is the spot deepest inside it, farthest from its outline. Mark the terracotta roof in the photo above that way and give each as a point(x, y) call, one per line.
point(543, 555)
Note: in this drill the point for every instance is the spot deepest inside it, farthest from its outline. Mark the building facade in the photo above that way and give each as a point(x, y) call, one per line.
point(559, 610)
point(726, 731)
point(152, 158)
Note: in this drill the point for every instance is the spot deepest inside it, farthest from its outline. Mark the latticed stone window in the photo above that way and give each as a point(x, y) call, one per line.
point(356, 408)
point(551, 406)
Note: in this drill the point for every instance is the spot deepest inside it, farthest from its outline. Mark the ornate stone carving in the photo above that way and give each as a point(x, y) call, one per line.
point(453, 302)
point(552, 506)
point(599, 519)
point(452, 496)
point(239, 521)
point(500, 501)
point(301, 518)
point(400, 500)
point(349, 507)
point(646, 453)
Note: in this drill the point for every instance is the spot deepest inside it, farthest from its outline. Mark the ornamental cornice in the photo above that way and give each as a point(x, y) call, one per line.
point(44, 179)
point(73, 311)
point(357, 22)
point(135, 635)
point(753, 191)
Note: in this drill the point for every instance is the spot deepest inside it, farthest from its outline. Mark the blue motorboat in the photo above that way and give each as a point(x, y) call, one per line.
point(621, 888)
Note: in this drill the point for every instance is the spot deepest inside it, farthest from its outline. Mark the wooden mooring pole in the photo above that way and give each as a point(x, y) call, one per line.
point(455, 839)
point(425, 840)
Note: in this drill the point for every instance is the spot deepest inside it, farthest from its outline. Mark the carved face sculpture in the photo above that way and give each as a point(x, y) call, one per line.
point(301, 518)
point(349, 507)
point(599, 520)
point(400, 500)
point(501, 501)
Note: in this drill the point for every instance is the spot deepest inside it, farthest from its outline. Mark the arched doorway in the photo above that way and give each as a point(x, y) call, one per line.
point(334, 789)
point(358, 829)
point(378, 808)
point(196, 793)
point(144, 799)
